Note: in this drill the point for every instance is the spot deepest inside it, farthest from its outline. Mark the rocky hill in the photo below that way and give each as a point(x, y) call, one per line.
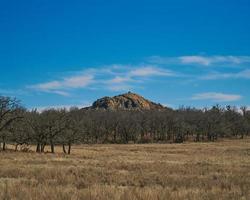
point(127, 101)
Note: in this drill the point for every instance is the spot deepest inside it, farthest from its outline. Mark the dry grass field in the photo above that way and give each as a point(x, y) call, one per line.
point(218, 170)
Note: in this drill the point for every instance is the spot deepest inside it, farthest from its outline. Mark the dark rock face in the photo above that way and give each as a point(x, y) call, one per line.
point(127, 101)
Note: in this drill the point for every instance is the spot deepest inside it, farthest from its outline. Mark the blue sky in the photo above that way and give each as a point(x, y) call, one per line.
point(63, 53)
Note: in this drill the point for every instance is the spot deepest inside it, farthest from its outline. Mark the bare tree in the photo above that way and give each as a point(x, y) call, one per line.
point(10, 111)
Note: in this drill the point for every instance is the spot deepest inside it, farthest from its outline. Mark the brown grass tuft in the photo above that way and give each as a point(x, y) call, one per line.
point(147, 171)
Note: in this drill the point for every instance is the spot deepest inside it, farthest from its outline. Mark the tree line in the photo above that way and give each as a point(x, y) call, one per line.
point(23, 128)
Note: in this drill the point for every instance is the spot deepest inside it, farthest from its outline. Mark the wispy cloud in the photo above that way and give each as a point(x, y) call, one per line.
point(216, 97)
point(244, 74)
point(114, 77)
point(78, 81)
point(135, 75)
point(215, 60)
point(119, 77)
point(61, 87)
point(150, 71)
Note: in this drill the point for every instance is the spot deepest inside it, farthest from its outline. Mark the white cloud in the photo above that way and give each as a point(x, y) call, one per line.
point(59, 87)
point(150, 71)
point(245, 74)
point(135, 75)
point(78, 81)
point(216, 97)
point(61, 93)
point(48, 86)
point(215, 60)
point(114, 77)
point(119, 79)
point(195, 60)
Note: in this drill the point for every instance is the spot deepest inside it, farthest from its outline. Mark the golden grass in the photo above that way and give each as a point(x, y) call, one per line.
point(218, 170)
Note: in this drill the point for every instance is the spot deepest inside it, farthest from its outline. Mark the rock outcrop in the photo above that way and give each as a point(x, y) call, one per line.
point(127, 101)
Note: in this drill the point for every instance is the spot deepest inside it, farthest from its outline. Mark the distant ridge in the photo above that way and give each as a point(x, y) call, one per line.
point(127, 101)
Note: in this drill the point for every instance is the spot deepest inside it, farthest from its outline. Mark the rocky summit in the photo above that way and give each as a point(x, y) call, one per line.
point(127, 101)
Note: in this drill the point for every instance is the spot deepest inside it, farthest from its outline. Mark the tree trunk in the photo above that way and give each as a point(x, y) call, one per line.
point(64, 150)
point(202, 136)
point(38, 148)
point(69, 149)
point(126, 137)
point(114, 138)
point(43, 147)
point(16, 147)
point(4, 146)
point(187, 136)
point(209, 137)
point(52, 147)
point(197, 137)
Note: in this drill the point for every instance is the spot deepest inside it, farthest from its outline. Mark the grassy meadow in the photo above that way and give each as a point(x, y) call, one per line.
point(216, 170)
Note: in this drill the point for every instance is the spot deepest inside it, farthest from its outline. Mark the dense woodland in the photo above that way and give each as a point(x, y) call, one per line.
point(23, 128)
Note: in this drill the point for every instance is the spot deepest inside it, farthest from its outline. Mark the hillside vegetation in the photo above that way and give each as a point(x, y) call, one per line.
point(123, 119)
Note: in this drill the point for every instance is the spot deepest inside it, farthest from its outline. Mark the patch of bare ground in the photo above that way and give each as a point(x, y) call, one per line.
point(219, 170)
